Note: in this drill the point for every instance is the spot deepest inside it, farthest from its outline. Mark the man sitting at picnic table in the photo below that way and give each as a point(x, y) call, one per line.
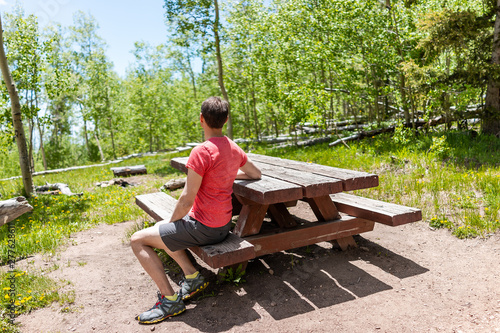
point(201, 216)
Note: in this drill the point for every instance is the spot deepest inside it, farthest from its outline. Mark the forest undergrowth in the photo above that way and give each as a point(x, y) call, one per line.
point(452, 176)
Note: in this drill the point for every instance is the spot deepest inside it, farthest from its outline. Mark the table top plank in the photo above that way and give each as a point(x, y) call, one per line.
point(313, 185)
point(267, 190)
point(264, 191)
point(351, 179)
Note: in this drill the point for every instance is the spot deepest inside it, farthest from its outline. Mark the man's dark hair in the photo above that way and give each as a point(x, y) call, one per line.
point(215, 111)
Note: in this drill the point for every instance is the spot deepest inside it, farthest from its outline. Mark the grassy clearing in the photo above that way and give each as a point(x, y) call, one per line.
point(452, 177)
point(55, 217)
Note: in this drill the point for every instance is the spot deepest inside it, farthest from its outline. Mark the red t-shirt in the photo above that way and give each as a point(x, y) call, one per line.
point(217, 160)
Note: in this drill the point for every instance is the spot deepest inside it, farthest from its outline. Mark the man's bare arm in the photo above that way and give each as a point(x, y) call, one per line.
point(186, 200)
point(249, 171)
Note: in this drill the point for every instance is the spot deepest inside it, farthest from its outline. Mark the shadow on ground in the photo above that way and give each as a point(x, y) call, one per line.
point(286, 284)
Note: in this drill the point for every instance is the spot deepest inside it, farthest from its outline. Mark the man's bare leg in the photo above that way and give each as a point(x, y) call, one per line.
point(143, 242)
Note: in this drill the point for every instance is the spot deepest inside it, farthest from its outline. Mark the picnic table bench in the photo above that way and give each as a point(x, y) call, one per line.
point(284, 182)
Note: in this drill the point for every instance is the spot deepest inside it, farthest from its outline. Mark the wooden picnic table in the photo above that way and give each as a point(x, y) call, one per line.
point(284, 182)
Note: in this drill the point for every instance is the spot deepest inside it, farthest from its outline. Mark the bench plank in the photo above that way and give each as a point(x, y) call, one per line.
point(375, 210)
point(351, 179)
point(231, 251)
point(159, 205)
point(264, 191)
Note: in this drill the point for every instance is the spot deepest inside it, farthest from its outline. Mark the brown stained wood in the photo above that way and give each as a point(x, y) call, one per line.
point(230, 251)
point(236, 205)
point(346, 242)
point(279, 213)
point(351, 179)
point(159, 205)
point(308, 234)
point(375, 210)
point(267, 190)
point(179, 163)
point(233, 250)
point(324, 208)
point(312, 185)
point(244, 201)
point(250, 220)
point(263, 191)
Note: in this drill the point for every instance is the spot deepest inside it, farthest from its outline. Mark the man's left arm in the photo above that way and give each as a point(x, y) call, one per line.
point(249, 171)
point(186, 200)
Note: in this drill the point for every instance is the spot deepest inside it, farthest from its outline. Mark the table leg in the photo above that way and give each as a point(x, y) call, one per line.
point(236, 205)
point(345, 242)
point(281, 215)
point(324, 208)
point(250, 219)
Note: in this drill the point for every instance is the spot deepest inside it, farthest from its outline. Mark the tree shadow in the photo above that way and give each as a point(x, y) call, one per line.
point(290, 283)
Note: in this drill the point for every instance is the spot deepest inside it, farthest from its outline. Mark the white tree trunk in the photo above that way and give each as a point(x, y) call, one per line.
point(16, 119)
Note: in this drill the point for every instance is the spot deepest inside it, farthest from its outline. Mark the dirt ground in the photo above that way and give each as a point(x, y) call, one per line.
point(400, 279)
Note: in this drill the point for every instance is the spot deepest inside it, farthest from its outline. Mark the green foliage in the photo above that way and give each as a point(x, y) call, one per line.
point(55, 217)
point(440, 147)
point(403, 135)
point(286, 63)
point(460, 191)
point(32, 291)
point(234, 276)
point(440, 222)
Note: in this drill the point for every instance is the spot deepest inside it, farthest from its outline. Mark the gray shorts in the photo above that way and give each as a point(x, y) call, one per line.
point(188, 232)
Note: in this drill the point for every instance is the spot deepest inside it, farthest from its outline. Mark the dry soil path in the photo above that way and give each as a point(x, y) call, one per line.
point(403, 279)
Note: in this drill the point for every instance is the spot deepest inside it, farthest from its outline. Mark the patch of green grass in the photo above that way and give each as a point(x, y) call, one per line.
point(440, 222)
point(27, 293)
point(233, 275)
point(55, 217)
point(447, 174)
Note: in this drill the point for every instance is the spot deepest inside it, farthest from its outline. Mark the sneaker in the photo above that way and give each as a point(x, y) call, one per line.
point(189, 287)
point(163, 309)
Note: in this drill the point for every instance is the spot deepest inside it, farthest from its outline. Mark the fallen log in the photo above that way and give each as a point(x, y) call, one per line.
point(57, 188)
point(305, 143)
point(363, 134)
point(13, 208)
point(129, 170)
point(41, 173)
point(174, 184)
point(118, 182)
